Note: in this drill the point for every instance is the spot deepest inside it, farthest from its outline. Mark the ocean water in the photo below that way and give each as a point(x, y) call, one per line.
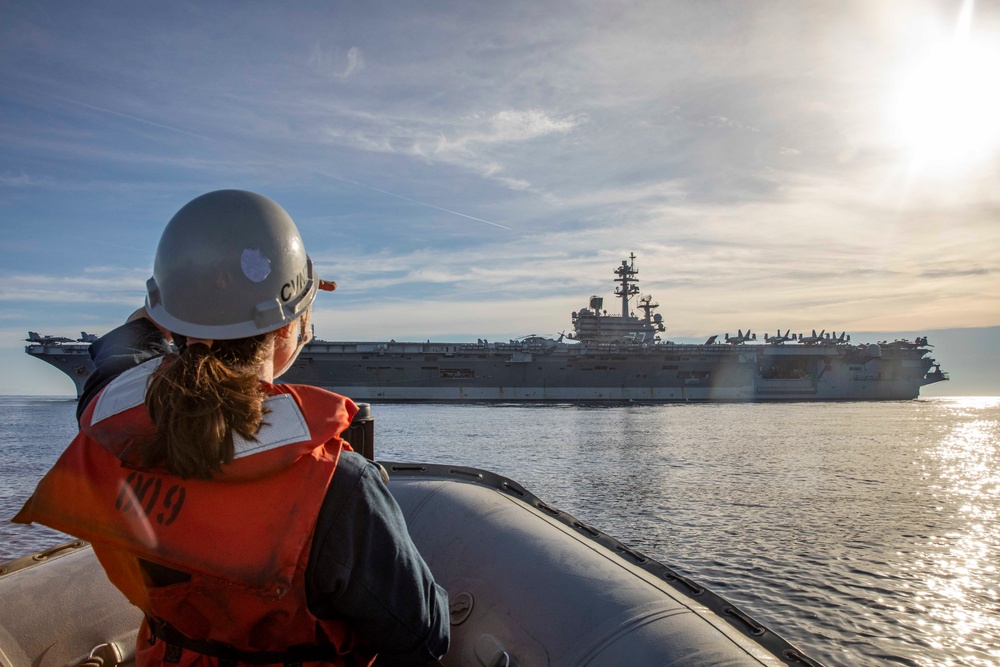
point(865, 533)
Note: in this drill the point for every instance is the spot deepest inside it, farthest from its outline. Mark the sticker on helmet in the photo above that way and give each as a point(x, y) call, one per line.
point(255, 265)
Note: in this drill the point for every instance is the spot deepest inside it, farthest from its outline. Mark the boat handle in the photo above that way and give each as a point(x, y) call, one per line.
point(48, 553)
point(792, 655)
point(755, 628)
point(104, 655)
point(502, 659)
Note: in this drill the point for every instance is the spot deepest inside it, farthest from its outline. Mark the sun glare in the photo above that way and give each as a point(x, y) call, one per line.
point(947, 112)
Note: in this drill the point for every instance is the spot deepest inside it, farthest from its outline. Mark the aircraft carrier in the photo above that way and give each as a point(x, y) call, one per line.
point(608, 358)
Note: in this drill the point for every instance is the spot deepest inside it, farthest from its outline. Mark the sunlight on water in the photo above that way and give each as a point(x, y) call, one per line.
point(961, 584)
point(865, 533)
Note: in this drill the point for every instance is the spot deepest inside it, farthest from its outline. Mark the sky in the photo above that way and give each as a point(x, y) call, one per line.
point(477, 169)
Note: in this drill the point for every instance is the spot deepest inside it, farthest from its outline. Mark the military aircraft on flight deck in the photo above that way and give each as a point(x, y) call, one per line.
point(740, 338)
point(812, 340)
point(33, 337)
point(831, 339)
point(779, 339)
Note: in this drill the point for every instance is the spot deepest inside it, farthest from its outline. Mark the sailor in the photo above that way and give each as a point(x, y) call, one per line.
point(227, 507)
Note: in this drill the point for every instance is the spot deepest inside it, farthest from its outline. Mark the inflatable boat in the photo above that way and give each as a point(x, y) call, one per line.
point(529, 586)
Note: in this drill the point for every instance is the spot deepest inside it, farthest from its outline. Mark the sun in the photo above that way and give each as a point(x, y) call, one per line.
point(947, 110)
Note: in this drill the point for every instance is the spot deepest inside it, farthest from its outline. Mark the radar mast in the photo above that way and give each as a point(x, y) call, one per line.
point(626, 276)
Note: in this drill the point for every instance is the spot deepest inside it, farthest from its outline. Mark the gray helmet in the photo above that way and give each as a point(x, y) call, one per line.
point(230, 264)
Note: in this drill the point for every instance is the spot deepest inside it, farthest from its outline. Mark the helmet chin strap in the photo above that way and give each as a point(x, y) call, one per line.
point(278, 372)
point(303, 338)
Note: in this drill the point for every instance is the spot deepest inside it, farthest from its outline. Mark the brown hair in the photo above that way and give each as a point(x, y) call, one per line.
point(198, 398)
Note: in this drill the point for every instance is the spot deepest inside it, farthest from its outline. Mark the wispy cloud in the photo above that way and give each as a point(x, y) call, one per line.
point(334, 64)
point(511, 125)
point(474, 142)
point(722, 121)
point(95, 286)
point(15, 180)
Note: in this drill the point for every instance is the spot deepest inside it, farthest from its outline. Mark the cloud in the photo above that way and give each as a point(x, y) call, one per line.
point(474, 135)
point(955, 272)
point(512, 125)
point(334, 65)
point(101, 285)
point(722, 121)
point(478, 143)
point(9, 179)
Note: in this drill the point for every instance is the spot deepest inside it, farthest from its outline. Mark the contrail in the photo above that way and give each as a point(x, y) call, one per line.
point(138, 119)
point(419, 203)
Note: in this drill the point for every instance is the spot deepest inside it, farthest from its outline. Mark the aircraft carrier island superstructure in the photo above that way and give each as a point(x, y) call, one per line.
point(608, 358)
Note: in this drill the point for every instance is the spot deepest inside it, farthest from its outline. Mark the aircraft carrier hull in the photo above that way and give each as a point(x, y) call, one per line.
point(568, 372)
point(564, 372)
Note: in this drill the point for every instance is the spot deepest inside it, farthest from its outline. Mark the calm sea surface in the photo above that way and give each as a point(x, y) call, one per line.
point(865, 533)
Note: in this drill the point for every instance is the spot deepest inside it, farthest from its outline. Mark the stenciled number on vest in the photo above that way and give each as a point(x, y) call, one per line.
point(141, 493)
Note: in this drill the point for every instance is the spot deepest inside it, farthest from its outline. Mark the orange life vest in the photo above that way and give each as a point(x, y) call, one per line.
point(243, 537)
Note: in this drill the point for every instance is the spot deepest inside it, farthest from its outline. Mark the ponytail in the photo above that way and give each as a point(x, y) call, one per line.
point(198, 398)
